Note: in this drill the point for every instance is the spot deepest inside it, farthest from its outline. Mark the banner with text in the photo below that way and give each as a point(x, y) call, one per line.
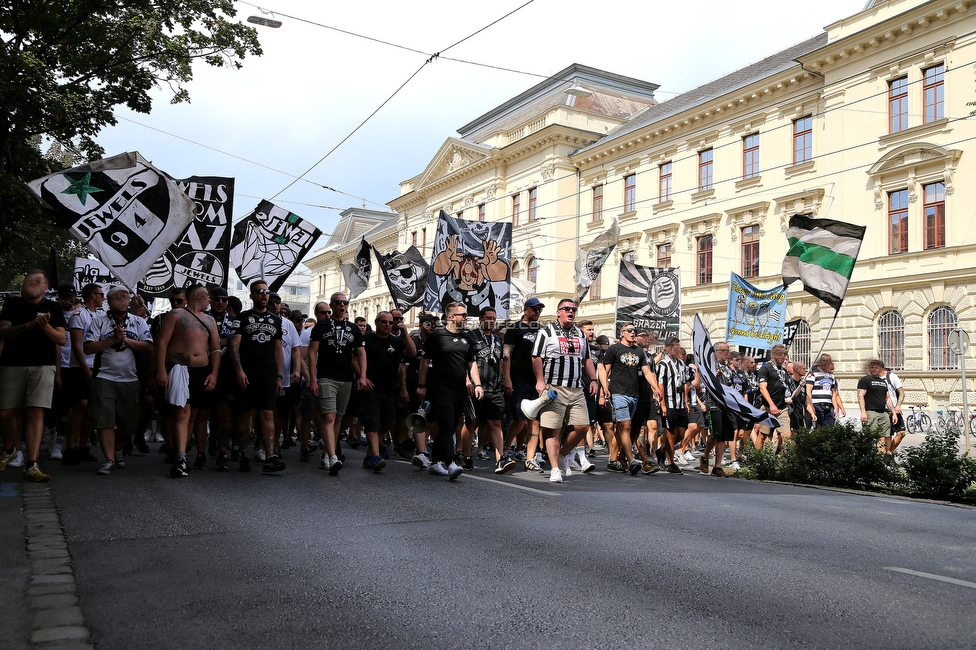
point(755, 316)
point(269, 243)
point(650, 298)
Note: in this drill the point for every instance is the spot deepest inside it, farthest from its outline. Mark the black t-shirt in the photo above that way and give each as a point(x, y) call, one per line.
point(626, 365)
point(258, 333)
point(449, 356)
point(522, 335)
point(33, 347)
point(876, 392)
point(775, 379)
point(488, 354)
point(413, 364)
point(337, 340)
point(383, 362)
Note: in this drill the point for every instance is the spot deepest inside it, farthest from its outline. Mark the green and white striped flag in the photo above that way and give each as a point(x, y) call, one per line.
point(822, 255)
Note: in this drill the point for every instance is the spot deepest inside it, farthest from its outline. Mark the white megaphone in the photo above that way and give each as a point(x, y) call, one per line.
point(417, 422)
point(531, 407)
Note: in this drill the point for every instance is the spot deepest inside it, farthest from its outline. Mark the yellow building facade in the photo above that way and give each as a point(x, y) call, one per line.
point(865, 123)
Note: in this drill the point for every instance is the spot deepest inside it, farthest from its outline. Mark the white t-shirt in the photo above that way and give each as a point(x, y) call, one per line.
point(112, 363)
point(289, 340)
point(66, 348)
point(894, 384)
point(80, 320)
point(304, 337)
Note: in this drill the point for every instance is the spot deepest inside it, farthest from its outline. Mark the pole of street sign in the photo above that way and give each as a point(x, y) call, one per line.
point(959, 343)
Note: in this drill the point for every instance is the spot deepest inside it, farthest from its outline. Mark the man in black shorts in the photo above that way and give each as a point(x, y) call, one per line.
point(673, 377)
point(518, 379)
point(221, 427)
point(722, 421)
point(491, 408)
point(255, 352)
point(384, 351)
point(410, 367)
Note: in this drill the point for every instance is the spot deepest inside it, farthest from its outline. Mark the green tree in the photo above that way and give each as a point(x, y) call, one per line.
point(64, 67)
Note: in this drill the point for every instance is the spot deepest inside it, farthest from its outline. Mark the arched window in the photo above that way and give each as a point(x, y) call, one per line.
point(942, 321)
point(533, 271)
point(516, 270)
point(800, 348)
point(891, 339)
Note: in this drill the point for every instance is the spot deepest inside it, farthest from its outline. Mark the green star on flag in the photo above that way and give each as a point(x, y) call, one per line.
point(82, 187)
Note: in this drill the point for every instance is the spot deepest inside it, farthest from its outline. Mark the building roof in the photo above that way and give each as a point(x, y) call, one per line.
point(779, 62)
point(354, 223)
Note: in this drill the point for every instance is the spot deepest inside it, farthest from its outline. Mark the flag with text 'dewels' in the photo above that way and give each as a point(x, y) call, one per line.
point(269, 243)
point(127, 211)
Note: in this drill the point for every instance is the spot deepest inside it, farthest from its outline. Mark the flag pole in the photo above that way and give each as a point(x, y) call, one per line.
point(827, 336)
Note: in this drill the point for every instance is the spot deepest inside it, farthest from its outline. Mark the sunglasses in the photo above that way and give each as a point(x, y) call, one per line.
point(99, 294)
point(340, 302)
point(385, 322)
point(398, 319)
point(177, 301)
point(263, 291)
point(572, 309)
point(628, 331)
point(219, 299)
point(323, 311)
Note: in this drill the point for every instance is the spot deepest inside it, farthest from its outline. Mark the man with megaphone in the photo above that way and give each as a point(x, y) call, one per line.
point(561, 361)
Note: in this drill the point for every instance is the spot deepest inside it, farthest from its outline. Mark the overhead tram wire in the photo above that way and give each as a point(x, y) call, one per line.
point(429, 59)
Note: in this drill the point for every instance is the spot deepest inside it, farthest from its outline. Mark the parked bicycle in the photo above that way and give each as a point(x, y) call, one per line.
point(918, 421)
point(953, 419)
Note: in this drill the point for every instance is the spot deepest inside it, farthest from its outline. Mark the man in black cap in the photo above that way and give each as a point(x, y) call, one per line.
point(518, 378)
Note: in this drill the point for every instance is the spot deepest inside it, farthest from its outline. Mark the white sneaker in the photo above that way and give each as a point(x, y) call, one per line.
point(420, 461)
point(438, 469)
point(735, 465)
point(323, 462)
point(540, 459)
point(158, 437)
point(57, 453)
point(680, 459)
point(585, 464)
point(689, 455)
point(563, 461)
point(17, 461)
point(260, 456)
point(555, 476)
point(574, 462)
point(454, 471)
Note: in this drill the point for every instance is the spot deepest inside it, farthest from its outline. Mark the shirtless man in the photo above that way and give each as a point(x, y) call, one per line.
point(187, 362)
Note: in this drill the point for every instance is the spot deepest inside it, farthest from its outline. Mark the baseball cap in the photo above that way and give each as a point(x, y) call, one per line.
point(534, 302)
point(428, 318)
point(67, 290)
point(602, 340)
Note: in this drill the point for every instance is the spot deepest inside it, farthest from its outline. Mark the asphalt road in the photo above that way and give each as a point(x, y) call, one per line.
point(406, 560)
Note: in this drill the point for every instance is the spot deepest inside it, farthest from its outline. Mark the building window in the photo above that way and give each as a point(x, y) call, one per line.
point(704, 262)
point(802, 139)
point(891, 339)
point(597, 214)
point(423, 240)
point(516, 208)
point(750, 156)
point(942, 321)
point(595, 288)
point(533, 201)
point(934, 215)
point(898, 222)
point(705, 169)
point(629, 256)
point(801, 347)
point(516, 271)
point(413, 238)
point(481, 212)
point(898, 105)
point(750, 252)
point(933, 87)
point(532, 272)
point(664, 256)
point(664, 184)
point(630, 192)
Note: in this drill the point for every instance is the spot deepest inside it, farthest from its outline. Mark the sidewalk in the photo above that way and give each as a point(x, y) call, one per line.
point(14, 568)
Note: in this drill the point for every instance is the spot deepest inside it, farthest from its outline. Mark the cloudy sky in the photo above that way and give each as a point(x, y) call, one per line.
point(270, 121)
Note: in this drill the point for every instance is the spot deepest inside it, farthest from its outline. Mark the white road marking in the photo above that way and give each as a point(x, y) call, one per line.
point(933, 576)
point(513, 485)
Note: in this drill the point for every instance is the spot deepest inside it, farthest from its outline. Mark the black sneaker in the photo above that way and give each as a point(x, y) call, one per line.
point(504, 464)
point(615, 466)
point(674, 469)
point(200, 462)
point(467, 464)
point(86, 456)
point(221, 461)
point(273, 464)
point(659, 453)
point(335, 464)
point(245, 464)
point(141, 444)
point(235, 455)
point(212, 447)
point(170, 457)
point(303, 455)
point(178, 469)
point(635, 467)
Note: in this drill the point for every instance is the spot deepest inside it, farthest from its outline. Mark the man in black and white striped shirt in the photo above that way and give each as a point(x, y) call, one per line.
point(561, 361)
point(673, 377)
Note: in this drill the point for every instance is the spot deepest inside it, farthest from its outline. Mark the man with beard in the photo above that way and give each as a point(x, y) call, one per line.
point(518, 378)
point(773, 386)
point(32, 329)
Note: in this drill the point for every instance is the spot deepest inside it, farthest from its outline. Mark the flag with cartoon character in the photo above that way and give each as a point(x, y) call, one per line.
point(755, 316)
point(471, 264)
point(269, 243)
point(357, 274)
point(406, 276)
point(127, 211)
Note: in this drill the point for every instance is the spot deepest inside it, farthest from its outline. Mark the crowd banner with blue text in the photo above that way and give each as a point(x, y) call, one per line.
point(471, 264)
point(128, 212)
point(269, 243)
point(650, 298)
point(756, 316)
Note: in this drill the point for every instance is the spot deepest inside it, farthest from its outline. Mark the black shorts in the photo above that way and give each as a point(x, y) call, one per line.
point(490, 407)
point(289, 399)
point(697, 416)
point(261, 394)
point(520, 390)
point(676, 419)
point(896, 426)
point(74, 386)
point(199, 397)
point(226, 383)
point(357, 400)
point(723, 425)
point(599, 414)
point(377, 411)
point(307, 402)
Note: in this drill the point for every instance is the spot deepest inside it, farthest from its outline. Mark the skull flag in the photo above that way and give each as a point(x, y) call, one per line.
point(405, 275)
point(357, 274)
point(269, 243)
point(125, 210)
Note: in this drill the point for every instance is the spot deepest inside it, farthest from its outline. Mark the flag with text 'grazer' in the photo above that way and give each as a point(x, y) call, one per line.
point(725, 396)
point(127, 211)
point(649, 298)
point(269, 243)
point(822, 255)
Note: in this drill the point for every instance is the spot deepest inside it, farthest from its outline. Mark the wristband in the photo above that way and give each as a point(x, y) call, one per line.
point(421, 385)
point(477, 385)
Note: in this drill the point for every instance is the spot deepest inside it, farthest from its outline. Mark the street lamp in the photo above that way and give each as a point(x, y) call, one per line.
point(267, 22)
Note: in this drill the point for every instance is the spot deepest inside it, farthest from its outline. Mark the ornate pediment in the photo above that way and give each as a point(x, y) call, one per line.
point(454, 155)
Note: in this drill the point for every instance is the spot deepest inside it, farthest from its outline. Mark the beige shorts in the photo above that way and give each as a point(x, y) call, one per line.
point(880, 422)
point(569, 407)
point(22, 386)
point(334, 396)
point(784, 422)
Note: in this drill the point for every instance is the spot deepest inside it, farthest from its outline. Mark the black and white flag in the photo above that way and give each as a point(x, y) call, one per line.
point(726, 396)
point(89, 271)
point(269, 243)
point(127, 211)
point(357, 274)
point(202, 253)
point(520, 291)
point(405, 275)
point(592, 257)
point(650, 298)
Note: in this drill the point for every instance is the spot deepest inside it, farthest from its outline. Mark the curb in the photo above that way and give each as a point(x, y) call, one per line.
point(866, 493)
point(52, 594)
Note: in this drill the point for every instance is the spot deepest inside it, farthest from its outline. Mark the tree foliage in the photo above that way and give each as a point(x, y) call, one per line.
point(64, 67)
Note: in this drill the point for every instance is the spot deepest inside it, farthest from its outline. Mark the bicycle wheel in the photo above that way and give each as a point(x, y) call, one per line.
point(940, 424)
point(911, 424)
point(925, 423)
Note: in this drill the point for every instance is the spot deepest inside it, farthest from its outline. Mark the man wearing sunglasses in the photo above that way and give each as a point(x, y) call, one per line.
point(308, 404)
point(336, 358)
point(518, 379)
point(561, 362)
point(384, 351)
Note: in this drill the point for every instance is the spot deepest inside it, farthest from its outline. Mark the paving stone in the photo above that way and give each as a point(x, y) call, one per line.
point(55, 579)
point(53, 601)
point(49, 546)
point(72, 633)
point(46, 538)
point(69, 646)
point(48, 566)
point(46, 590)
point(33, 517)
point(49, 554)
point(58, 617)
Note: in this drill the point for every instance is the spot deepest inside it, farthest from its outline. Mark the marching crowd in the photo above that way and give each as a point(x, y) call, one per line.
point(244, 384)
